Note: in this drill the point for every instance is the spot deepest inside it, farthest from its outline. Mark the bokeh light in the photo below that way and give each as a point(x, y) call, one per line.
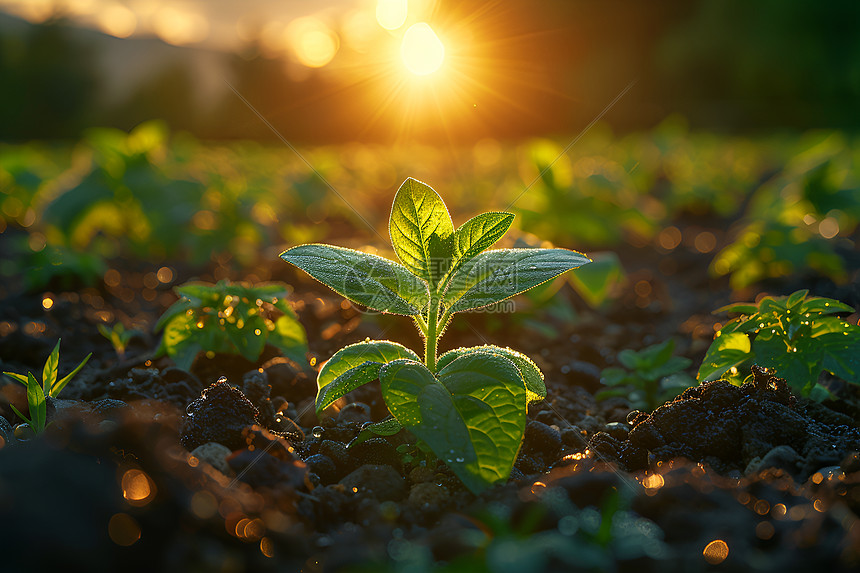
point(391, 14)
point(117, 20)
point(179, 27)
point(313, 42)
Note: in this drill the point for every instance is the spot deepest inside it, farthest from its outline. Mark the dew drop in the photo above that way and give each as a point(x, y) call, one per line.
point(317, 432)
point(460, 460)
point(257, 332)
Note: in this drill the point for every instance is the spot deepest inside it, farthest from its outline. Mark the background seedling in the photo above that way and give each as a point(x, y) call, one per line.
point(230, 318)
point(38, 392)
point(796, 335)
point(468, 405)
point(650, 376)
point(118, 336)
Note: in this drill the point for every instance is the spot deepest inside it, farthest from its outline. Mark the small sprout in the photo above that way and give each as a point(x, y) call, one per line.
point(37, 392)
point(118, 336)
point(650, 377)
point(469, 405)
point(195, 323)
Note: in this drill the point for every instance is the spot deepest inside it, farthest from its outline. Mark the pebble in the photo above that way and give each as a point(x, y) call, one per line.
point(215, 455)
point(426, 494)
point(379, 481)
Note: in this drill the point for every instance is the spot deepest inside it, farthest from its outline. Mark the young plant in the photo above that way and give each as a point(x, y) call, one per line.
point(38, 392)
point(652, 376)
point(795, 335)
point(468, 405)
point(232, 319)
point(118, 336)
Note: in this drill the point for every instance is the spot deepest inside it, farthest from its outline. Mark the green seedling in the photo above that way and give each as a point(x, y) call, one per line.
point(796, 335)
point(118, 336)
point(649, 377)
point(37, 392)
point(468, 405)
point(231, 319)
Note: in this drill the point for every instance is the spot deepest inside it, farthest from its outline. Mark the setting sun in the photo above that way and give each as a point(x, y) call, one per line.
point(421, 50)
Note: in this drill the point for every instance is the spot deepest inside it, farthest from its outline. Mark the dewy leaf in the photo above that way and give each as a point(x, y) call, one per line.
point(367, 279)
point(353, 366)
point(496, 275)
point(472, 416)
point(842, 353)
point(726, 350)
point(417, 215)
point(532, 377)
point(387, 427)
point(478, 234)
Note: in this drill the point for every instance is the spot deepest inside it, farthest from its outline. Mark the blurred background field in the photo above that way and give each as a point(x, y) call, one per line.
point(150, 131)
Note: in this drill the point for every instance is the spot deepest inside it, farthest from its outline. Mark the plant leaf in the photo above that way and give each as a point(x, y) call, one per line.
point(289, 337)
point(61, 383)
point(49, 372)
point(472, 416)
point(594, 282)
point(251, 338)
point(179, 343)
point(841, 352)
point(367, 279)
point(353, 366)
point(478, 234)
point(493, 276)
point(387, 427)
point(726, 350)
point(20, 415)
point(531, 375)
point(417, 215)
point(18, 377)
point(36, 401)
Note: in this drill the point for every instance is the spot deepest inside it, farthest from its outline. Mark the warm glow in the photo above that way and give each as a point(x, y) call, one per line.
point(391, 14)
point(117, 20)
point(179, 27)
point(314, 43)
point(421, 50)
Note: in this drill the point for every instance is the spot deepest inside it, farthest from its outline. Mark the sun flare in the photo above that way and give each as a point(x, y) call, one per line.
point(422, 51)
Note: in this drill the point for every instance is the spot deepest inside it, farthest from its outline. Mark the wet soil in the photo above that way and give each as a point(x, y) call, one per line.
point(226, 468)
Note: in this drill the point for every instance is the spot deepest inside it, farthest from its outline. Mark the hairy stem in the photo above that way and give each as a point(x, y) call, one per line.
point(432, 333)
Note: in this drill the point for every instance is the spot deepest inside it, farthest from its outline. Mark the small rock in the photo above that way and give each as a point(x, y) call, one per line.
point(618, 430)
point(427, 494)
point(590, 424)
point(574, 437)
point(215, 455)
point(421, 474)
point(380, 481)
point(376, 451)
point(542, 440)
point(783, 457)
point(324, 467)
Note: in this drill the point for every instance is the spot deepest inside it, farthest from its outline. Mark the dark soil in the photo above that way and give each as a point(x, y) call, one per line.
point(226, 468)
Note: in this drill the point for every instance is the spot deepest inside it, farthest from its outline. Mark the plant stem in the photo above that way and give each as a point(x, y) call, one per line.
point(431, 335)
